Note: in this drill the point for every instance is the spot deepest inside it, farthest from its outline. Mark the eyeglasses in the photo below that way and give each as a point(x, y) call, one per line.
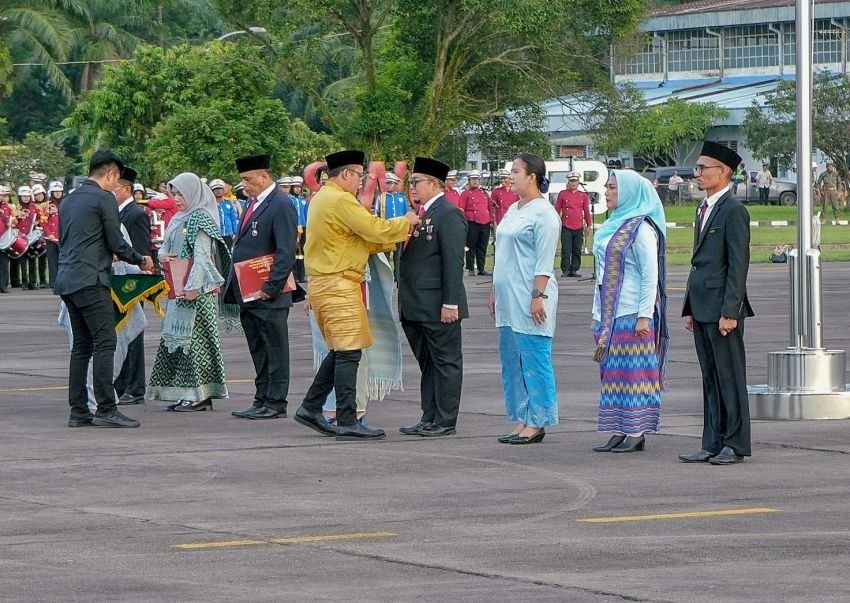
point(699, 169)
point(361, 175)
point(415, 181)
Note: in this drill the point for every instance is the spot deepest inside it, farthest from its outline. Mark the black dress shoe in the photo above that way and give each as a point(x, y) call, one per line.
point(265, 413)
point(727, 456)
point(485, 273)
point(84, 421)
point(243, 414)
point(435, 431)
point(315, 421)
point(189, 406)
point(696, 457)
point(471, 272)
point(615, 440)
point(534, 439)
point(507, 438)
point(113, 419)
point(127, 399)
point(357, 432)
point(631, 444)
point(414, 429)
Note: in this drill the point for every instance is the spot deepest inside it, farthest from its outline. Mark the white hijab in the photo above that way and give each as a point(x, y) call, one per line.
point(198, 196)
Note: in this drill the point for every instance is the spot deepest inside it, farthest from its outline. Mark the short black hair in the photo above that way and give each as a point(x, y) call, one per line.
point(104, 160)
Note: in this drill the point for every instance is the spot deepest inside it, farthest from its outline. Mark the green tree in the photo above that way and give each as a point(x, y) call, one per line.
point(425, 69)
point(37, 153)
point(660, 134)
point(185, 108)
point(771, 129)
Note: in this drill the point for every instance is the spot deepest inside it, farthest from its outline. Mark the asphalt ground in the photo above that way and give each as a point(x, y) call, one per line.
point(206, 507)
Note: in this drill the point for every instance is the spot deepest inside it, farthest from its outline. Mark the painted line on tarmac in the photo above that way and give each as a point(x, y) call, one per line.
point(688, 515)
point(56, 388)
point(290, 540)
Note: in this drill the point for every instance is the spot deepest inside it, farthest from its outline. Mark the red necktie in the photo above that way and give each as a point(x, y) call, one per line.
point(702, 210)
point(249, 212)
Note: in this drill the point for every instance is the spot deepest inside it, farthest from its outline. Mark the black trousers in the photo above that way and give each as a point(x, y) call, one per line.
point(43, 271)
point(300, 270)
point(438, 350)
point(726, 410)
point(338, 372)
point(477, 239)
point(396, 258)
point(52, 261)
point(29, 271)
point(571, 243)
point(267, 332)
point(131, 379)
point(764, 195)
point(4, 271)
point(92, 323)
point(15, 271)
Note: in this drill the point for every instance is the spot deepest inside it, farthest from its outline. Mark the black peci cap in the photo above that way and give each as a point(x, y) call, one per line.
point(721, 153)
point(128, 174)
point(103, 156)
point(344, 158)
point(431, 167)
point(253, 162)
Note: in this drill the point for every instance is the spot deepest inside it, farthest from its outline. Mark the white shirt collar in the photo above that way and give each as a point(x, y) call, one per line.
point(125, 204)
point(262, 196)
point(430, 201)
point(710, 201)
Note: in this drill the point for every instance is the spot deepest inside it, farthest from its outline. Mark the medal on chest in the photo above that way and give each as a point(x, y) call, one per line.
point(254, 232)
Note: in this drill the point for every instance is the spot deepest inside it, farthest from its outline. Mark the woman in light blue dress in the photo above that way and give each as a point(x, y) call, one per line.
point(523, 302)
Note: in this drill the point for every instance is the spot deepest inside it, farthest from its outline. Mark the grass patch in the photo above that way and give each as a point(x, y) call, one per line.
point(760, 213)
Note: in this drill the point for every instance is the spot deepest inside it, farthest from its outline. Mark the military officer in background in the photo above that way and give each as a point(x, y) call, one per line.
point(6, 222)
point(299, 200)
point(478, 209)
point(452, 192)
point(830, 188)
point(503, 197)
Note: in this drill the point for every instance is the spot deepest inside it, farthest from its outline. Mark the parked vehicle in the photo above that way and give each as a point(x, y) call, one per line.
point(782, 192)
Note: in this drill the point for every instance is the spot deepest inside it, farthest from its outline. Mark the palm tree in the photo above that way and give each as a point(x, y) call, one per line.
point(36, 32)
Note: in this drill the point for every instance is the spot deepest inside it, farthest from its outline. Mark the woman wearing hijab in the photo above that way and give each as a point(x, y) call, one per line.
point(189, 369)
point(630, 312)
point(523, 302)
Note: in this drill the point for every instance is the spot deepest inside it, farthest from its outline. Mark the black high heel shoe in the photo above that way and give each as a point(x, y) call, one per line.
point(188, 406)
point(615, 440)
point(534, 439)
point(631, 444)
point(507, 438)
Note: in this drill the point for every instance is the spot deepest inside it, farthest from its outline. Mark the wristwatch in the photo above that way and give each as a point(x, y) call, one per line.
point(535, 293)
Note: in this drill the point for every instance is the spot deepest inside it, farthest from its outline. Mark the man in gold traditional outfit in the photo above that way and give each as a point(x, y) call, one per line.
point(342, 235)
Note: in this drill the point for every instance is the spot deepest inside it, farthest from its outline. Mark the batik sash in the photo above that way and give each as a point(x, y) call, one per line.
point(612, 283)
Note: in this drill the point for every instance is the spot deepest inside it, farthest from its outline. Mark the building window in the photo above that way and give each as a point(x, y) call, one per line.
point(826, 39)
point(789, 44)
point(565, 151)
point(692, 50)
point(638, 56)
point(750, 46)
point(731, 144)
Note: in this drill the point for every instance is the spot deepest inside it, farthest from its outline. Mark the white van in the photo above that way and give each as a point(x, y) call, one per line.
point(594, 175)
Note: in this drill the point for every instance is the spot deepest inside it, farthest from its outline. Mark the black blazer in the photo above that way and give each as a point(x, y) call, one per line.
point(717, 283)
point(431, 271)
point(276, 225)
point(89, 234)
point(135, 219)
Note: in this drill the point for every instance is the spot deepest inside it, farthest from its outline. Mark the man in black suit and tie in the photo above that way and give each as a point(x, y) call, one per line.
point(715, 308)
point(432, 299)
point(90, 233)
point(130, 385)
point(269, 225)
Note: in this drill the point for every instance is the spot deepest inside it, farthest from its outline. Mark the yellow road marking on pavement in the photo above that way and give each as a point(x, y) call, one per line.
point(289, 540)
point(56, 388)
point(718, 513)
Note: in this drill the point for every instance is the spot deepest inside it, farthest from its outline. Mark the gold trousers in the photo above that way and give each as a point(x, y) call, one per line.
point(337, 300)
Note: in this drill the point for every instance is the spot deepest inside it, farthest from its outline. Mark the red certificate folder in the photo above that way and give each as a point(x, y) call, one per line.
point(252, 275)
point(176, 273)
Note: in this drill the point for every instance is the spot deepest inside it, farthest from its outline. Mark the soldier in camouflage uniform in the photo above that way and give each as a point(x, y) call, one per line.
point(830, 186)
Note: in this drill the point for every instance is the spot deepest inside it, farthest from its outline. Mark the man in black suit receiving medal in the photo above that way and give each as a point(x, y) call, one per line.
point(715, 308)
point(432, 299)
point(89, 235)
point(268, 226)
